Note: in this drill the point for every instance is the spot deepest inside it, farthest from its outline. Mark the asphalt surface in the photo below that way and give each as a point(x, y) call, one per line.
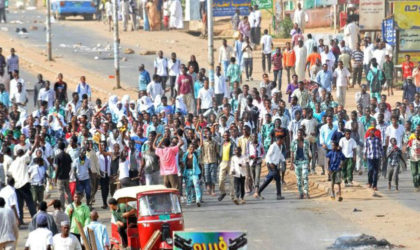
point(406, 195)
point(78, 45)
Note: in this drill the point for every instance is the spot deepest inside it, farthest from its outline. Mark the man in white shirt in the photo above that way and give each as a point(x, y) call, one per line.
point(155, 88)
point(220, 87)
point(348, 147)
point(395, 130)
point(225, 53)
point(205, 98)
point(8, 193)
point(342, 76)
point(327, 57)
point(20, 97)
point(46, 94)
point(379, 53)
point(41, 238)
point(273, 159)
point(8, 227)
point(310, 43)
point(257, 23)
point(174, 67)
point(65, 240)
point(83, 88)
point(351, 34)
point(300, 17)
point(252, 23)
point(367, 55)
point(266, 48)
point(14, 82)
point(161, 68)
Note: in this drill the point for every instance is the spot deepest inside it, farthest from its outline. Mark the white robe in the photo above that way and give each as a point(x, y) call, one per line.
point(175, 20)
point(300, 62)
point(351, 32)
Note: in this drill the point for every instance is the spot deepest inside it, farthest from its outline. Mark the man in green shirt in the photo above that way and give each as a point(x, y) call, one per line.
point(78, 211)
point(120, 213)
point(388, 68)
point(233, 72)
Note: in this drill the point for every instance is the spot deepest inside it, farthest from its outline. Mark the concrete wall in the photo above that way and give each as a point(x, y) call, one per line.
point(317, 17)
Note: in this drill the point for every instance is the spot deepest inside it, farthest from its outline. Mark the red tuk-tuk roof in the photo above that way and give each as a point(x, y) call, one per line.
point(130, 193)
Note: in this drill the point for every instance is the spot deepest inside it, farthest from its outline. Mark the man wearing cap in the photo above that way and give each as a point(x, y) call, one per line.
point(42, 237)
point(65, 240)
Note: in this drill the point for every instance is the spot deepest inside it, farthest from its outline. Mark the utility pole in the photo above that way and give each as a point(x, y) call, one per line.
point(335, 17)
point(49, 48)
point(210, 40)
point(116, 45)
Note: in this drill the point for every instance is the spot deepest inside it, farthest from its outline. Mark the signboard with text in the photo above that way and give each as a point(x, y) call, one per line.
point(407, 14)
point(371, 14)
point(263, 4)
point(409, 40)
point(228, 7)
point(414, 57)
point(210, 240)
point(389, 34)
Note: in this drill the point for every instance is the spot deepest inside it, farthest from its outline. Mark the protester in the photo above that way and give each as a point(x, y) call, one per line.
point(335, 158)
point(121, 213)
point(99, 230)
point(66, 240)
point(78, 212)
point(40, 238)
point(8, 226)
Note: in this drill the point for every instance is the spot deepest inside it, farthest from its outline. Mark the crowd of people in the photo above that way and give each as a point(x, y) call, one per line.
point(155, 15)
point(194, 135)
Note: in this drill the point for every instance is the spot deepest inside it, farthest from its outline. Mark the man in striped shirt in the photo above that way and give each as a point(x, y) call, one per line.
point(373, 153)
point(357, 65)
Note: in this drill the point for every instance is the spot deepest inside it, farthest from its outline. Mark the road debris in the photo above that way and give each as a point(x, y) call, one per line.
point(356, 210)
point(359, 241)
point(128, 51)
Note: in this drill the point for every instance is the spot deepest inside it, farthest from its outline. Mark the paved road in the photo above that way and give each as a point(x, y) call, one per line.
point(79, 45)
point(406, 194)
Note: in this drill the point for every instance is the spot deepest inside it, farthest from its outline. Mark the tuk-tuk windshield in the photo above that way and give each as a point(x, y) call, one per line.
point(158, 204)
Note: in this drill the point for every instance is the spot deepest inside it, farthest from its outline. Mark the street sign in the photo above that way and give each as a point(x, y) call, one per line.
point(389, 34)
point(263, 4)
point(210, 240)
point(409, 40)
point(371, 14)
point(228, 7)
point(407, 14)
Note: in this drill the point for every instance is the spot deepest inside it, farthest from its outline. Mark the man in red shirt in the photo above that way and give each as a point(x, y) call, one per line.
point(277, 67)
point(289, 60)
point(185, 88)
point(407, 67)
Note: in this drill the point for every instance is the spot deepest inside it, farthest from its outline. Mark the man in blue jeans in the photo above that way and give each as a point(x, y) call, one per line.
point(373, 154)
point(83, 172)
point(273, 160)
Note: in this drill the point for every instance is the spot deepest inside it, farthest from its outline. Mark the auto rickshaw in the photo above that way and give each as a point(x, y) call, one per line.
point(158, 215)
